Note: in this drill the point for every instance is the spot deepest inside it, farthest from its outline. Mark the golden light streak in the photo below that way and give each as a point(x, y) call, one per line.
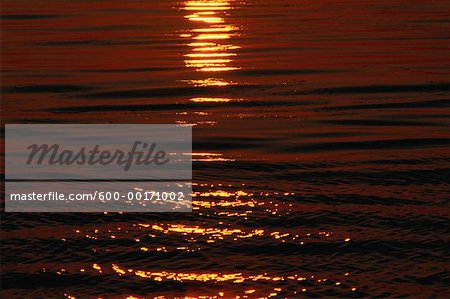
point(204, 154)
point(218, 69)
point(206, 5)
point(224, 28)
point(217, 277)
point(214, 30)
point(201, 62)
point(211, 100)
point(204, 65)
point(206, 55)
point(216, 48)
point(201, 44)
point(205, 36)
point(200, 8)
point(199, 18)
point(208, 82)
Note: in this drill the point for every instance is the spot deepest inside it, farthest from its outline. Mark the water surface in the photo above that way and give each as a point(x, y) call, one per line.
point(321, 143)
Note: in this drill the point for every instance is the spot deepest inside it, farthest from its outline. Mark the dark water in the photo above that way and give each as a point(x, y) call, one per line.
point(321, 140)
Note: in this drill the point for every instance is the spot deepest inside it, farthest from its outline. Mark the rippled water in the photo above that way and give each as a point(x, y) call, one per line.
point(321, 146)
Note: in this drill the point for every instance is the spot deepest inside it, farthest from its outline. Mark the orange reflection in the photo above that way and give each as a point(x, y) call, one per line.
point(207, 5)
point(203, 277)
point(208, 82)
point(224, 28)
point(217, 69)
point(210, 36)
point(205, 41)
point(207, 55)
point(202, 18)
point(209, 157)
point(211, 100)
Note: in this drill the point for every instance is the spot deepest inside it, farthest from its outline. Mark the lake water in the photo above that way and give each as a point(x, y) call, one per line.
point(321, 146)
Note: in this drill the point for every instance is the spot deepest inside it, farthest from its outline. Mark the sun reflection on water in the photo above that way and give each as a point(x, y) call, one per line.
point(208, 82)
point(212, 52)
point(209, 157)
point(247, 282)
point(211, 28)
point(150, 238)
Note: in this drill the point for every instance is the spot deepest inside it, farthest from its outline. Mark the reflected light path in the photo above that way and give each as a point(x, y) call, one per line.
point(211, 52)
point(207, 82)
point(209, 157)
point(208, 39)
